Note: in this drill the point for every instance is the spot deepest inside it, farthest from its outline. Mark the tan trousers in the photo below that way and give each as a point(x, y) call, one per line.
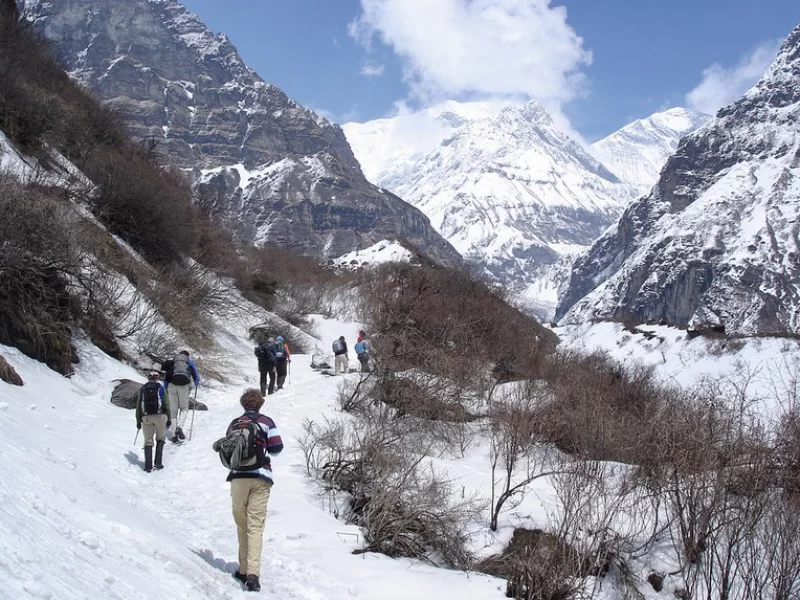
point(249, 497)
point(341, 363)
point(178, 403)
point(153, 424)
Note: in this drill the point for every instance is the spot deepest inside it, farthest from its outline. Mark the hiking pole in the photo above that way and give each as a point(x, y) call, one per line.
point(194, 410)
point(136, 437)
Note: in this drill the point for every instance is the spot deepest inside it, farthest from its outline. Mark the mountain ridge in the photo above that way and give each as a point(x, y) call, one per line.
point(177, 84)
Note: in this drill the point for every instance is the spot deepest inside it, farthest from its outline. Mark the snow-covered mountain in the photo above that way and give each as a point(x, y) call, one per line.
point(637, 152)
point(512, 192)
point(716, 240)
point(175, 82)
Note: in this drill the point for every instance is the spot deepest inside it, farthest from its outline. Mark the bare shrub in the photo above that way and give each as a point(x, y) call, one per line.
point(446, 322)
point(517, 453)
point(38, 258)
point(404, 506)
point(537, 565)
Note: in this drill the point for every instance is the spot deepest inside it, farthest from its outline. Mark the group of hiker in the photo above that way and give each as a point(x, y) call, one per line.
point(249, 440)
point(363, 350)
point(159, 404)
point(274, 359)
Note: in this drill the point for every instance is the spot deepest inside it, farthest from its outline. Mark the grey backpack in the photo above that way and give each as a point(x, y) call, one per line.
point(242, 449)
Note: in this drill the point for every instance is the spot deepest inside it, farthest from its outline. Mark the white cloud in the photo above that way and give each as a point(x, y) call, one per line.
point(485, 48)
point(370, 69)
point(721, 86)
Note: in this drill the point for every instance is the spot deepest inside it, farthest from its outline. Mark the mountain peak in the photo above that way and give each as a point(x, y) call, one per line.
point(637, 152)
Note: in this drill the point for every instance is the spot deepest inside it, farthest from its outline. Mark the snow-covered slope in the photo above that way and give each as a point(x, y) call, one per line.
point(382, 252)
point(716, 240)
point(506, 187)
point(637, 152)
point(388, 148)
point(80, 519)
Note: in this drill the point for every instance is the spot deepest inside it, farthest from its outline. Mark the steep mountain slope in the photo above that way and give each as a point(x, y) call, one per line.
point(513, 194)
point(176, 83)
point(716, 242)
point(637, 152)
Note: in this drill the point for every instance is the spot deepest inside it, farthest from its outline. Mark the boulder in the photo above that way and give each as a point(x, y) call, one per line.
point(8, 374)
point(125, 393)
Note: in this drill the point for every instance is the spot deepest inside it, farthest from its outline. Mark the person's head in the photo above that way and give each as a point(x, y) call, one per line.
point(279, 338)
point(341, 338)
point(362, 334)
point(252, 400)
point(185, 352)
point(270, 340)
point(153, 376)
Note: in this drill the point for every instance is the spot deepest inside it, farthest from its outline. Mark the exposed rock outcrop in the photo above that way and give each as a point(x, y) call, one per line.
point(716, 244)
point(271, 169)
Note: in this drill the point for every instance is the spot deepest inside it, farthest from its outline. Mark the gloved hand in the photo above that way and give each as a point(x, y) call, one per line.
point(215, 446)
point(138, 426)
point(169, 423)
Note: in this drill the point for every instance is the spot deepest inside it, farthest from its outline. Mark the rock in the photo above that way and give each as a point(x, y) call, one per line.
point(8, 373)
point(321, 361)
point(126, 393)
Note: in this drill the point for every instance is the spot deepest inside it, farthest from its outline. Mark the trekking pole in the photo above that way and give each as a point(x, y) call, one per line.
point(194, 409)
point(136, 437)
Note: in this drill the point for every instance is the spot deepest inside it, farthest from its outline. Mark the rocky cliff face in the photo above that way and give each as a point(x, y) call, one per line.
point(716, 242)
point(175, 82)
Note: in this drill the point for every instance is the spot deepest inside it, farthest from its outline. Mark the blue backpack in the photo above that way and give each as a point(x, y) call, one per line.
point(360, 348)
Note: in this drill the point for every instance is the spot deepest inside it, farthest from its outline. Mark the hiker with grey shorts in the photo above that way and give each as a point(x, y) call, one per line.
point(181, 372)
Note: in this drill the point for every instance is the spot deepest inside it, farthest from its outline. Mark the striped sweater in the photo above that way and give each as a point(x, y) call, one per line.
point(271, 445)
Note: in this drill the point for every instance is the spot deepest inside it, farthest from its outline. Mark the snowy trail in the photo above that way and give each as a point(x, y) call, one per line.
point(79, 519)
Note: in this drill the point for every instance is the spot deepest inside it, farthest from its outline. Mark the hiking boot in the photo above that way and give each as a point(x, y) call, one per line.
point(240, 577)
point(148, 459)
point(252, 584)
point(159, 454)
point(179, 433)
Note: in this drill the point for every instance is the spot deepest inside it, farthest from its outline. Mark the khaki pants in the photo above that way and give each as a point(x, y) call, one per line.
point(153, 424)
point(178, 403)
point(249, 497)
point(341, 363)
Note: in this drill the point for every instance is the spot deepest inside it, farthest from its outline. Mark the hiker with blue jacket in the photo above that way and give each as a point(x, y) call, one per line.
point(363, 350)
point(248, 443)
point(152, 415)
point(282, 359)
point(267, 360)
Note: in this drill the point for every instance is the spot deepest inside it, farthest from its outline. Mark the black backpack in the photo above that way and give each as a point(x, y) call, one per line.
point(242, 449)
point(265, 354)
point(152, 403)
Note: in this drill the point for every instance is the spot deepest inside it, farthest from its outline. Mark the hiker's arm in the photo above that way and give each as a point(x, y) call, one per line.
point(274, 441)
point(139, 409)
point(165, 403)
point(195, 374)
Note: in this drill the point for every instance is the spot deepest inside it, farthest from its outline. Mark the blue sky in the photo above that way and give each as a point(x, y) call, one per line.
point(601, 63)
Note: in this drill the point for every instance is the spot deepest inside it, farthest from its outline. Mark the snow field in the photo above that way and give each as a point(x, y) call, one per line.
point(79, 518)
